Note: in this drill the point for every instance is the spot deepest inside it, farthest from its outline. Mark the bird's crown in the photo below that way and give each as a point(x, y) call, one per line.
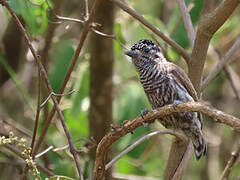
point(145, 46)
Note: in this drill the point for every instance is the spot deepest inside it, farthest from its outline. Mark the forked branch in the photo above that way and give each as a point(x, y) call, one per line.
point(129, 126)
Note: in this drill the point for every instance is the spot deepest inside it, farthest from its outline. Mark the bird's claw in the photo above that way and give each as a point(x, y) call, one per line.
point(144, 112)
point(176, 103)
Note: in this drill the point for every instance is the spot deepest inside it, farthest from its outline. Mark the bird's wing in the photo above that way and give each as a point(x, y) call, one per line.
point(184, 80)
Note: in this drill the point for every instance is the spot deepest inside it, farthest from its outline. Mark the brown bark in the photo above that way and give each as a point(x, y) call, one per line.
point(101, 71)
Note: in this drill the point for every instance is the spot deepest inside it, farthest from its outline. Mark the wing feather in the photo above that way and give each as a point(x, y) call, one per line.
point(183, 78)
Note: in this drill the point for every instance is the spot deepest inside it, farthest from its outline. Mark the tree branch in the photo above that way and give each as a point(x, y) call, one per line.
point(224, 60)
point(187, 21)
point(83, 37)
point(231, 161)
point(153, 28)
point(44, 74)
point(184, 162)
point(129, 126)
point(144, 138)
point(207, 26)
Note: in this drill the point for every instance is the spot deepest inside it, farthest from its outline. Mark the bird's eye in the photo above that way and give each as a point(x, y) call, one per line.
point(147, 49)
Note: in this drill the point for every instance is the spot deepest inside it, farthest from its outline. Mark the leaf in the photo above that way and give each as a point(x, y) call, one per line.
point(118, 33)
point(35, 17)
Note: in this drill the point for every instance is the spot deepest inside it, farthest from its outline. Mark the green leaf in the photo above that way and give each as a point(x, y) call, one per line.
point(35, 17)
point(118, 33)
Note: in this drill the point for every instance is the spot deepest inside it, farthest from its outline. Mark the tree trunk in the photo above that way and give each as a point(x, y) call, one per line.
point(101, 70)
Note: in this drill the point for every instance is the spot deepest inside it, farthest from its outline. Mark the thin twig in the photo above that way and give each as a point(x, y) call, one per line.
point(103, 34)
point(228, 71)
point(140, 140)
point(44, 152)
point(69, 19)
point(38, 111)
point(54, 94)
point(153, 28)
point(130, 126)
point(230, 163)
point(187, 21)
point(224, 60)
point(44, 74)
point(77, 140)
point(83, 37)
point(111, 36)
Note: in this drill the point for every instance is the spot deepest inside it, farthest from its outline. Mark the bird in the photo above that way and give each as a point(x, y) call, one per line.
point(165, 83)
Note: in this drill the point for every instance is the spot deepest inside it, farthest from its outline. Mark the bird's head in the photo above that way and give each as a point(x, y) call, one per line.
point(145, 52)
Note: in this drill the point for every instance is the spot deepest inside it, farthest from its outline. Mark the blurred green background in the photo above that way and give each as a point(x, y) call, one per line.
point(18, 87)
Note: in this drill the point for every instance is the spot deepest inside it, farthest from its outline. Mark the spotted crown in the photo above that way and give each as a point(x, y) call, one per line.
point(145, 46)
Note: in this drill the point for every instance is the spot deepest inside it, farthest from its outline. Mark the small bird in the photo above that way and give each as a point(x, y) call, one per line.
point(166, 83)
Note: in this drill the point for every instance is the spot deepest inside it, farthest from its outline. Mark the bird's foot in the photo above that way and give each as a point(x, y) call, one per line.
point(144, 112)
point(176, 103)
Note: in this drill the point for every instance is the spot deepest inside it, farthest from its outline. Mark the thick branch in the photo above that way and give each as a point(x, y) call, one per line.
point(206, 29)
point(129, 126)
point(153, 28)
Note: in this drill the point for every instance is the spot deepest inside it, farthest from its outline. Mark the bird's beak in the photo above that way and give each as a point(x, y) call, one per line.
point(131, 53)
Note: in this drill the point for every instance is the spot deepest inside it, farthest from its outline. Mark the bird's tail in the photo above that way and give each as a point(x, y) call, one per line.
point(199, 144)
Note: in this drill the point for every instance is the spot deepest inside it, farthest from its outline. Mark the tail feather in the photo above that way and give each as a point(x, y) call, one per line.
point(199, 144)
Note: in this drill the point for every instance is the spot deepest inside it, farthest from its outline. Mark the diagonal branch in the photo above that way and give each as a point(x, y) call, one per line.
point(44, 74)
point(86, 29)
point(140, 140)
point(230, 163)
point(187, 21)
point(153, 28)
point(207, 27)
point(129, 126)
point(224, 60)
